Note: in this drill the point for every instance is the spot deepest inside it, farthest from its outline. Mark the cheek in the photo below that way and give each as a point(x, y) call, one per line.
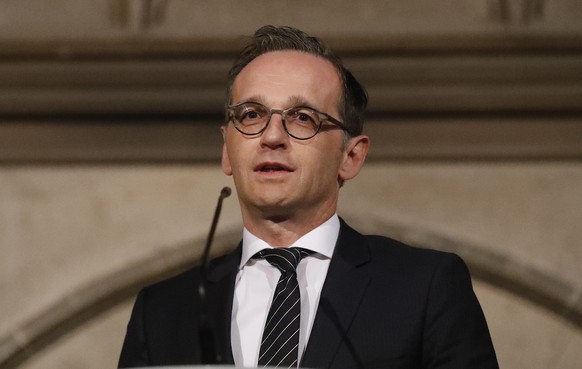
point(324, 169)
point(233, 152)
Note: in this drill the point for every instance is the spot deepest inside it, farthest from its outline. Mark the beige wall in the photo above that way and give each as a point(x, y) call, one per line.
point(109, 156)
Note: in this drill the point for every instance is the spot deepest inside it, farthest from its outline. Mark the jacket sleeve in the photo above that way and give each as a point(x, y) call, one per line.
point(456, 334)
point(134, 350)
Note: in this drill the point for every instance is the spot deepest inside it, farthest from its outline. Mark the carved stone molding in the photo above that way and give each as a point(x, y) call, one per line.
point(423, 106)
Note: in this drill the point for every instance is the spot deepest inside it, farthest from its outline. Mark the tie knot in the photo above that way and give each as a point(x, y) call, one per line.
point(285, 259)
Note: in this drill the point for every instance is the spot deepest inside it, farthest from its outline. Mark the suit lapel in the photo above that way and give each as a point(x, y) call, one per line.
point(335, 312)
point(220, 293)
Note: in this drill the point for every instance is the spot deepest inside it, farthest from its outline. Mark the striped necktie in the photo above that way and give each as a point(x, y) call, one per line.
point(280, 342)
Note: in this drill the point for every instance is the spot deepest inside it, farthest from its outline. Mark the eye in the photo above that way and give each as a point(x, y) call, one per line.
point(249, 114)
point(303, 116)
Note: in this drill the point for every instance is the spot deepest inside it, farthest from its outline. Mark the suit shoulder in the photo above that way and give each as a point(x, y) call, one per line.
point(396, 263)
point(387, 251)
point(189, 280)
point(174, 286)
point(394, 246)
point(386, 247)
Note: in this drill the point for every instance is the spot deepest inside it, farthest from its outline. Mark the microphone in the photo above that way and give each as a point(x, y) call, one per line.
point(205, 330)
point(224, 193)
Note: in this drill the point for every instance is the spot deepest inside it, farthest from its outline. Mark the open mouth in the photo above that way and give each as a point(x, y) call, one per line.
point(271, 169)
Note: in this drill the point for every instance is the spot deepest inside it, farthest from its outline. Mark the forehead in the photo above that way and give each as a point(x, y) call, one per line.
point(283, 75)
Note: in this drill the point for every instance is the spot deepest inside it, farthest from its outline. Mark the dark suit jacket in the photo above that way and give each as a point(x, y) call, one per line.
point(383, 305)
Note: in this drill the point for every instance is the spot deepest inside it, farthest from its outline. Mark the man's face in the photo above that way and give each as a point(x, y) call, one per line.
point(275, 174)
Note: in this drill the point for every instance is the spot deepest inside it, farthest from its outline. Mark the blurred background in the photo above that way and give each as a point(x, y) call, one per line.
point(110, 147)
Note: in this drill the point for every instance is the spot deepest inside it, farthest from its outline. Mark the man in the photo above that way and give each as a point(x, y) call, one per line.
point(293, 136)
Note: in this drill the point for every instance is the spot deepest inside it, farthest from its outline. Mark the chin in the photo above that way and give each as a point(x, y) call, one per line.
point(273, 205)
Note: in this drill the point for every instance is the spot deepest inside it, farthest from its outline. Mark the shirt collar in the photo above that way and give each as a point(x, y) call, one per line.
point(322, 240)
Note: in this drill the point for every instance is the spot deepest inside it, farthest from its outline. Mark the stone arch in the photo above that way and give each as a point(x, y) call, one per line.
point(91, 300)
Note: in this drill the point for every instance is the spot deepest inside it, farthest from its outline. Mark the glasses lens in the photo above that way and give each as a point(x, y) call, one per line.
point(302, 122)
point(251, 118)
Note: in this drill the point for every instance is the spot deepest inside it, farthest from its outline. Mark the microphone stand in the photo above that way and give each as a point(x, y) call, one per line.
point(205, 330)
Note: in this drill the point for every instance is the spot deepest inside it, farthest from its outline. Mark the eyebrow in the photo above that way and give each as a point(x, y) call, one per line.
point(260, 99)
point(292, 101)
point(297, 100)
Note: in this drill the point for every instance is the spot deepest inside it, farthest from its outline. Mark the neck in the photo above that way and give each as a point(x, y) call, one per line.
point(284, 231)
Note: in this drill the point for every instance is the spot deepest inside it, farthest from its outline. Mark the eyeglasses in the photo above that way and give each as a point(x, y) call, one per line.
point(300, 122)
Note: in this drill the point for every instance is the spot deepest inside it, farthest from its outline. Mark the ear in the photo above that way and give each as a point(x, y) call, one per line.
point(225, 161)
point(354, 157)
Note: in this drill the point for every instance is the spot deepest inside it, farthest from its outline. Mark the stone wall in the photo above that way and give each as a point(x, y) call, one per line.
point(109, 156)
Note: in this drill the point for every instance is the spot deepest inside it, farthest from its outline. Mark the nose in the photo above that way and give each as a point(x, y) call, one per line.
point(275, 134)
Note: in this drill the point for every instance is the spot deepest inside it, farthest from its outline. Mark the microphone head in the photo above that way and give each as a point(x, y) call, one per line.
point(225, 192)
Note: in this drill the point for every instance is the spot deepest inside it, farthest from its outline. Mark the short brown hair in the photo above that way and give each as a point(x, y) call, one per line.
point(270, 38)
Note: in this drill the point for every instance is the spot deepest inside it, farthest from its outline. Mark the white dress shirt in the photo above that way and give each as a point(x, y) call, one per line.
point(255, 285)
